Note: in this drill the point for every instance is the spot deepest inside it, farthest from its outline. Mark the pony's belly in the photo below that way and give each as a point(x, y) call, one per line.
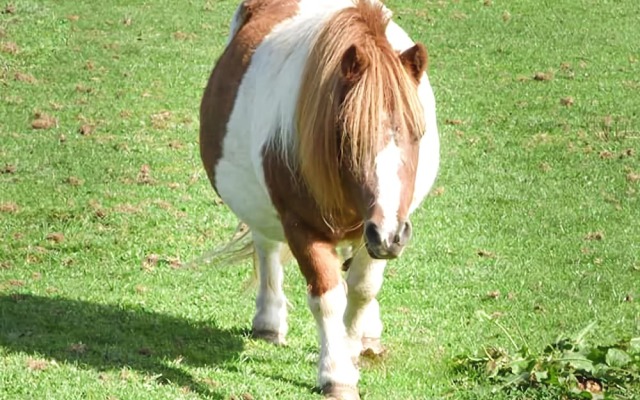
point(246, 197)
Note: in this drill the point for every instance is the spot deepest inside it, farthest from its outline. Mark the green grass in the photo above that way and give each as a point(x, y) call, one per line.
point(528, 183)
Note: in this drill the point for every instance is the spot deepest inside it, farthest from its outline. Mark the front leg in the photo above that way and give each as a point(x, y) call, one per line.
point(321, 267)
point(362, 315)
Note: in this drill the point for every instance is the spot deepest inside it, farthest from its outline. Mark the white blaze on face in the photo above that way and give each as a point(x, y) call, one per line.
point(388, 162)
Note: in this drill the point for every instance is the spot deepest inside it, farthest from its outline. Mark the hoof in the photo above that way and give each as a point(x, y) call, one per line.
point(372, 348)
point(332, 391)
point(269, 336)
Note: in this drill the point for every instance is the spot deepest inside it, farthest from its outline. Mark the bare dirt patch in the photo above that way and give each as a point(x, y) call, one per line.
point(594, 236)
point(459, 16)
point(37, 365)
point(545, 167)
point(633, 176)
point(605, 154)
point(567, 101)
point(10, 208)
point(174, 262)
point(74, 181)
point(9, 48)
point(543, 76)
point(43, 121)
point(33, 259)
point(8, 169)
point(9, 9)
point(628, 153)
point(24, 77)
point(56, 237)
point(183, 36)
point(126, 208)
point(485, 254)
point(150, 262)
point(144, 175)
point(140, 289)
point(80, 88)
point(87, 129)
point(78, 348)
point(160, 120)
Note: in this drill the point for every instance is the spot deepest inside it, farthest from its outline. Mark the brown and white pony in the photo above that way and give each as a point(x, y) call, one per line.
point(318, 130)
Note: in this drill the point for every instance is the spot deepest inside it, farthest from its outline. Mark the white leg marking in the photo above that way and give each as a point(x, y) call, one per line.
point(271, 303)
point(335, 365)
point(362, 316)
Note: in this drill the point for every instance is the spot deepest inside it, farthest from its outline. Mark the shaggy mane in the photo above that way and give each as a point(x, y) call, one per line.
point(328, 106)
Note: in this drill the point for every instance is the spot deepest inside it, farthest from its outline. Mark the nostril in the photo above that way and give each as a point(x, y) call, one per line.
point(397, 238)
point(404, 234)
point(371, 234)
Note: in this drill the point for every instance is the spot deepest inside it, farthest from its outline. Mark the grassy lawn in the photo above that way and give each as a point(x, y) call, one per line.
point(535, 220)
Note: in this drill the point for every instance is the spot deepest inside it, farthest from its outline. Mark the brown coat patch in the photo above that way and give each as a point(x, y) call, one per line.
point(311, 239)
point(258, 18)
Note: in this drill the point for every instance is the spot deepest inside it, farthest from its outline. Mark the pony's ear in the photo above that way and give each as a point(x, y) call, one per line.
point(354, 63)
point(415, 60)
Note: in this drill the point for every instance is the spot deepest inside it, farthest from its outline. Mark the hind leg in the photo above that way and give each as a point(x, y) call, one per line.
point(270, 321)
point(362, 315)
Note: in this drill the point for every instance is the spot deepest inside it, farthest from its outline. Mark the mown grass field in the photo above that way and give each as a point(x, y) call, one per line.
point(535, 219)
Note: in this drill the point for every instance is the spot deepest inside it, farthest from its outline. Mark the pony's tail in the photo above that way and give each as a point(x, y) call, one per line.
point(239, 248)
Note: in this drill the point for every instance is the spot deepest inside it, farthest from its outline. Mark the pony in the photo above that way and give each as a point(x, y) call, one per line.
point(318, 130)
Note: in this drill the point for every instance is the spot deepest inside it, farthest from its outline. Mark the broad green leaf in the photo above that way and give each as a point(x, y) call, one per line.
point(577, 361)
point(579, 339)
point(514, 379)
point(524, 351)
point(522, 365)
point(598, 355)
point(601, 371)
point(554, 377)
point(617, 358)
point(540, 376)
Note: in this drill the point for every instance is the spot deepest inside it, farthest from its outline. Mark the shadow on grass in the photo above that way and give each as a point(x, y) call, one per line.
point(115, 338)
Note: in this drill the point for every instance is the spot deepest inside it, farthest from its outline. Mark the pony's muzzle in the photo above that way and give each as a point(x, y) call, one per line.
point(386, 246)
